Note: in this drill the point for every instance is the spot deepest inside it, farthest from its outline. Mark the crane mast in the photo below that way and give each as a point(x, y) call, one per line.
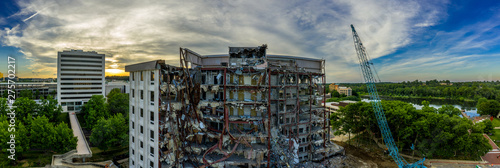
point(366, 69)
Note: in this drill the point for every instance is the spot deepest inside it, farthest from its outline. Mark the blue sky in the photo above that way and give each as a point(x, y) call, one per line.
point(407, 40)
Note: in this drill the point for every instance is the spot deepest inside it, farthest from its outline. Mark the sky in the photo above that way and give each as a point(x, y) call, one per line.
point(406, 40)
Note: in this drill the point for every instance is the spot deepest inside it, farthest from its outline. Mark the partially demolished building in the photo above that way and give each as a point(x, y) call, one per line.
point(244, 109)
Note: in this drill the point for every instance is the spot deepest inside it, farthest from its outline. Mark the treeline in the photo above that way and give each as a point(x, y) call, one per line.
point(125, 78)
point(434, 133)
point(471, 91)
point(38, 127)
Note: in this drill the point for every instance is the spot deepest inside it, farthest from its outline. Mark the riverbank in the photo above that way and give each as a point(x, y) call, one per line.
point(464, 103)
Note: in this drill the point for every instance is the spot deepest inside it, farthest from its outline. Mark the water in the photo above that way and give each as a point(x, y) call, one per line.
point(469, 107)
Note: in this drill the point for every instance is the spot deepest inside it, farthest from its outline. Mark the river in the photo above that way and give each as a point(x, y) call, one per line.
point(469, 107)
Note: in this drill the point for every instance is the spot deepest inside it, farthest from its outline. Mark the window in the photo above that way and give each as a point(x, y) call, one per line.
point(152, 134)
point(133, 93)
point(287, 120)
point(152, 76)
point(142, 130)
point(152, 150)
point(142, 79)
point(142, 112)
point(133, 125)
point(141, 147)
point(301, 149)
point(133, 110)
point(152, 117)
point(133, 151)
point(151, 164)
point(133, 78)
point(133, 163)
point(215, 80)
point(133, 139)
point(203, 79)
point(142, 94)
point(152, 96)
point(142, 158)
point(301, 130)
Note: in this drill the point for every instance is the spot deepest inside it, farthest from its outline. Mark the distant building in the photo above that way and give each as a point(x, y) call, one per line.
point(333, 87)
point(123, 86)
point(45, 89)
point(79, 76)
point(1, 76)
point(345, 90)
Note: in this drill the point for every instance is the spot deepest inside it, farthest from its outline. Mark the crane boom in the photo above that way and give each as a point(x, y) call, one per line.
point(366, 69)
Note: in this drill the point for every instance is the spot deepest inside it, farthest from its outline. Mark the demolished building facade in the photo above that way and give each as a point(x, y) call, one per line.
point(246, 109)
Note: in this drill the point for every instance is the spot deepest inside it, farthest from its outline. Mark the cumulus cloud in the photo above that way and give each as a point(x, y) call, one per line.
point(135, 31)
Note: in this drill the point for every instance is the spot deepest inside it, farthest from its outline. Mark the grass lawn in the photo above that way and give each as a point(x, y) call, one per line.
point(36, 158)
point(496, 122)
point(496, 136)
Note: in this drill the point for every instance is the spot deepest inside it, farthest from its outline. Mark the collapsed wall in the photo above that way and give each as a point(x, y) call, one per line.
point(243, 109)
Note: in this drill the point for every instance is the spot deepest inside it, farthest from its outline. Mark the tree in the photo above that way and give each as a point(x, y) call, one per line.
point(20, 139)
point(110, 133)
point(37, 94)
point(26, 93)
point(50, 109)
point(94, 110)
point(335, 93)
point(489, 107)
point(449, 110)
point(25, 106)
point(45, 136)
point(42, 136)
point(117, 102)
point(4, 106)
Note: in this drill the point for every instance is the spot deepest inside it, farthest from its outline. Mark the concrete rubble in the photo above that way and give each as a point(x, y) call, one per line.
point(245, 109)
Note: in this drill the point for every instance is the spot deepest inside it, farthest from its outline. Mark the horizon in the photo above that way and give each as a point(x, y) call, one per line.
point(421, 40)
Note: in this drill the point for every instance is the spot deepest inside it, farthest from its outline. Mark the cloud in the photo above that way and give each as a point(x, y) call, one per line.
point(135, 31)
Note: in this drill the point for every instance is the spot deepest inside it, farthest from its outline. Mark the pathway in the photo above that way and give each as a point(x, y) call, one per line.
point(82, 148)
point(492, 156)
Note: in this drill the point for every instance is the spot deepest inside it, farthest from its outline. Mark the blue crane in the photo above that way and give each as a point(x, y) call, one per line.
point(365, 63)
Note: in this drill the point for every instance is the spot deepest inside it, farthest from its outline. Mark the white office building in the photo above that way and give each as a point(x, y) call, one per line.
point(143, 114)
point(79, 76)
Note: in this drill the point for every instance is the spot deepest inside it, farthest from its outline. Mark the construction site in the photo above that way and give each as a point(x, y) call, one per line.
point(243, 109)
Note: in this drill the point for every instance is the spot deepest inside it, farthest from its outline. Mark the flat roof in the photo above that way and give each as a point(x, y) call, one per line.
point(143, 66)
point(268, 55)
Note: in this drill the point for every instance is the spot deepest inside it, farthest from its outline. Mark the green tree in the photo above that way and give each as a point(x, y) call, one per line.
point(489, 107)
point(26, 93)
point(94, 110)
point(25, 106)
point(335, 93)
point(4, 106)
point(110, 132)
point(117, 102)
point(449, 110)
point(50, 109)
point(41, 133)
point(37, 94)
point(45, 136)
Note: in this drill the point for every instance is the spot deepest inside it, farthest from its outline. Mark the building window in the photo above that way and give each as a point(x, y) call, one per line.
point(142, 112)
point(133, 77)
point(301, 130)
point(152, 76)
point(152, 150)
point(133, 151)
point(141, 147)
point(133, 125)
point(133, 93)
point(142, 130)
point(152, 134)
point(152, 96)
point(133, 110)
point(142, 94)
point(152, 117)
point(133, 139)
point(133, 163)
point(142, 79)
point(142, 158)
point(151, 164)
